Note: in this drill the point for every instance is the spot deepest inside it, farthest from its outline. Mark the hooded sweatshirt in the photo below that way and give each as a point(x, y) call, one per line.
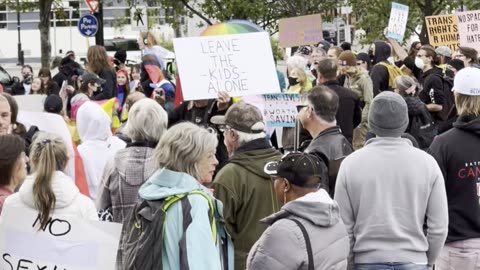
point(247, 195)
point(328, 236)
point(379, 73)
point(98, 145)
point(457, 153)
point(387, 191)
point(69, 202)
point(199, 241)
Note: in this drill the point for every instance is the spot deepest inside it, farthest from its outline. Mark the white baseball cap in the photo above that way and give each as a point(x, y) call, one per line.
point(467, 82)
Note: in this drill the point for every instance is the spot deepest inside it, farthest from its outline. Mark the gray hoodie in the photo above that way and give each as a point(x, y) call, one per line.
point(282, 245)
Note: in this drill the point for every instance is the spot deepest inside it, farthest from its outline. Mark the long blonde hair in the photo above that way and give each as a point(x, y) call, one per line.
point(467, 105)
point(150, 38)
point(48, 154)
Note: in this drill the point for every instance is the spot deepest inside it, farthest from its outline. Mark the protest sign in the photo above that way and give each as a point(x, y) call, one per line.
point(280, 110)
point(30, 103)
point(443, 31)
point(240, 64)
point(469, 29)
point(303, 30)
point(52, 123)
point(398, 21)
point(64, 243)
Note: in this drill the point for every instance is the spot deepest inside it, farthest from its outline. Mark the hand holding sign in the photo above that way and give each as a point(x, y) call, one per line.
point(223, 100)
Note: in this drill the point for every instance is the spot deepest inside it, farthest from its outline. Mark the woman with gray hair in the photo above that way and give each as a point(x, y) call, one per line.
point(190, 236)
point(132, 166)
point(420, 124)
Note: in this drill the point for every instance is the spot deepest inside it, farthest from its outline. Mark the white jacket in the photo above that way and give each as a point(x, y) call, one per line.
point(98, 144)
point(69, 200)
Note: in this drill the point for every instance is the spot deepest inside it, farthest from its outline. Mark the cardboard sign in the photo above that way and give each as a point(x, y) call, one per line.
point(240, 64)
point(443, 31)
point(469, 29)
point(303, 30)
point(64, 243)
point(30, 103)
point(398, 21)
point(280, 110)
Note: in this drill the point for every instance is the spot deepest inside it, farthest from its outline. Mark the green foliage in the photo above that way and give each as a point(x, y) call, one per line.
point(167, 45)
point(276, 49)
point(373, 15)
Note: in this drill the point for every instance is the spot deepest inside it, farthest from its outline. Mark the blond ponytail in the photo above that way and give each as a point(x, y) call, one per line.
point(48, 154)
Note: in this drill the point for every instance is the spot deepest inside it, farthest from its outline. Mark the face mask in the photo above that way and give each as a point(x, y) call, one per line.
point(292, 81)
point(419, 63)
point(449, 73)
point(28, 80)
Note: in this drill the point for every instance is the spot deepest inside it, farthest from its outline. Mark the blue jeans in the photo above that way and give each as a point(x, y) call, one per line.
point(389, 266)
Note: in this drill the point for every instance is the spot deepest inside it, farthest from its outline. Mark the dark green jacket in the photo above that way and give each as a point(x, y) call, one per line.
point(247, 195)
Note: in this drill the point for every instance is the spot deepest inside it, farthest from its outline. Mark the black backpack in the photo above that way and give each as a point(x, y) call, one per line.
point(144, 239)
point(449, 98)
point(423, 129)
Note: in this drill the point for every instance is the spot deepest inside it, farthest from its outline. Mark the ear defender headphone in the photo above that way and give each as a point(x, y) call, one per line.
point(145, 39)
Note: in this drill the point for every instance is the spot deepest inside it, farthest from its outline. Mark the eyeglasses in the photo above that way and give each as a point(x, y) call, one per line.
point(224, 128)
point(421, 55)
point(300, 107)
point(359, 63)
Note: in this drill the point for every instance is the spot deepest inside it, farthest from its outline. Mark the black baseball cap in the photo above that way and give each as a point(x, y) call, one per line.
point(297, 168)
point(53, 104)
point(87, 78)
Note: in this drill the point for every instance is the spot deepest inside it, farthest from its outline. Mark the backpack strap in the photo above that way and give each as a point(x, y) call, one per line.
point(308, 244)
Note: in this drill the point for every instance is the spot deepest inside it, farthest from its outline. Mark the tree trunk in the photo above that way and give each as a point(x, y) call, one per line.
point(44, 27)
point(428, 11)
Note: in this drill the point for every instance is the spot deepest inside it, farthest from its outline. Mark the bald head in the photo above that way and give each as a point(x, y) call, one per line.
point(134, 97)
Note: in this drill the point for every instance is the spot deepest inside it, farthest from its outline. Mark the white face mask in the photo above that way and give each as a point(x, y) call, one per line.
point(419, 63)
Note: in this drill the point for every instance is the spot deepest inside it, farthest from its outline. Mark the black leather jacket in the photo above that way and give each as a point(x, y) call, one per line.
point(333, 147)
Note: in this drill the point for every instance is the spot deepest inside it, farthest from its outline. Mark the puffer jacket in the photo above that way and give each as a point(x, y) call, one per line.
point(69, 202)
point(328, 236)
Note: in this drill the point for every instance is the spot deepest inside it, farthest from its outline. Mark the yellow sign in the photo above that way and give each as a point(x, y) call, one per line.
point(443, 31)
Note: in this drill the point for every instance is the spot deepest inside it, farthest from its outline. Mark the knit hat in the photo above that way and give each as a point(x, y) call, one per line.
point(388, 115)
point(444, 50)
point(347, 58)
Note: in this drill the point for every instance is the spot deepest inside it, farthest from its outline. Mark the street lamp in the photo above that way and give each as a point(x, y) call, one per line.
point(20, 52)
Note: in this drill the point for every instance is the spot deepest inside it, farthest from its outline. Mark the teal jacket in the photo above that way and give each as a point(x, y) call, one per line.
point(202, 250)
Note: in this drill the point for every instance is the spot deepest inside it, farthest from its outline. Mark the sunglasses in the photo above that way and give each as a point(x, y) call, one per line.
point(300, 107)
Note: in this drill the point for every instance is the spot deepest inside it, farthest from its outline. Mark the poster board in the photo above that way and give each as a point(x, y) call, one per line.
point(303, 30)
point(443, 31)
point(30, 103)
point(280, 110)
point(398, 21)
point(240, 64)
point(469, 29)
point(66, 242)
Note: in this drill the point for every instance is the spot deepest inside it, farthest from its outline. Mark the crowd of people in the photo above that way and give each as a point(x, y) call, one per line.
point(385, 172)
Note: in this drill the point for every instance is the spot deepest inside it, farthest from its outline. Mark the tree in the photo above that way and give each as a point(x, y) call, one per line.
point(373, 15)
point(264, 13)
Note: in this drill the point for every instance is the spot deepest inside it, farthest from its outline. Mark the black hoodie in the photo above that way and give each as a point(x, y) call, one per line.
point(379, 73)
point(457, 152)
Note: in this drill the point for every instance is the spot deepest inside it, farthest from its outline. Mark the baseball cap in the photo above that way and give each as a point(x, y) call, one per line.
point(467, 82)
point(444, 50)
point(91, 78)
point(297, 168)
point(242, 117)
point(53, 104)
